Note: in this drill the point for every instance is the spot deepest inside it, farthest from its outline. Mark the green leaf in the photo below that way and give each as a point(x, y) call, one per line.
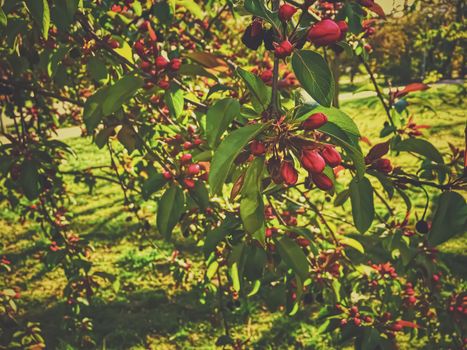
point(170, 209)
point(154, 183)
point(450, 218)
point(340, 119)
point(354, 14)
point(343, 131)
point(163, 12)
point(63, 13)
point(314, 75)
point(193, 7)
point(219, 117)
point(256, 259)
point(293, 256)
point(124, 50)
point(259, 9)
point(193, 69)
point(3, 19)
point(40, 12)
point(119, 93)
point(214, 237)
point(128, 138)
point(361, 197)
point(56, 60)
point(252, 205)
point(174, 101)
point(420, 146)
point(226, 153)
point(236, 264)
point(341, 198)
point(97, 69)
point(201, 195)
point(29, 179)
point(92, 113)
point(259, 91)
point(252, 212)
point(352, 243)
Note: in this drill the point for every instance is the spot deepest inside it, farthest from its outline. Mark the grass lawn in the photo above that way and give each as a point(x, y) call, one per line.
point(146, 310)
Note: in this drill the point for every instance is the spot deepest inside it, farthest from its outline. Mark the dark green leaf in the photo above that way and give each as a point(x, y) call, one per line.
point(175, 101)
point(63, 13)
point(293, 256)
point(314, 75)
point(97, 69)
point(420, 146)
point(201, 195)
point(92, 113)
point(214, 237)
point(40, 12)
point(56, 60)
point(256, 259)
point(121, 92)
point(363, 210)
point(450, 218)
point(163, 12)
point(259, 9)
point(29, 179)
point(193, 69)
point(219, 117)
point(226, 153)
point(153, 184)
point(259, 91)
point(170, 209)
point(128, 138)
point(341, 198)
point(354, 14)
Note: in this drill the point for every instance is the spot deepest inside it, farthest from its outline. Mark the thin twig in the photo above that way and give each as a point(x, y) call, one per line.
point(379, 93)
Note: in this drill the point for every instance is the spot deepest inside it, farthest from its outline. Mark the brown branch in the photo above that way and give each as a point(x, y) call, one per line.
point(321, 216)
point(26, 86)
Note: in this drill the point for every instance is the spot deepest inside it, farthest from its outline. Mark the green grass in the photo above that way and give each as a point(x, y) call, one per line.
point(146, 310)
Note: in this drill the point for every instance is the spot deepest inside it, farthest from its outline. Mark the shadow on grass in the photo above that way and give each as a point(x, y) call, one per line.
point(134, 317)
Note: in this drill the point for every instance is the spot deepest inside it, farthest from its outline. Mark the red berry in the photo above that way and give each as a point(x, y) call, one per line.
point(288, 173)
point(284, 49)
point(161, 62)
point(383, 165)
point(175, 63)
point(266, 75)
point(114, 44)
point(257, 148)
point(189, 183)
point(344, 27)
point(303, 242)
point(312, 161)
point(187, 145)
point(322, 182)
point(286, 12)
point(146, 66)
point(331, 156)
point(186, 158)
point(315, 121)
point(324, 33)
point(193, 169)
